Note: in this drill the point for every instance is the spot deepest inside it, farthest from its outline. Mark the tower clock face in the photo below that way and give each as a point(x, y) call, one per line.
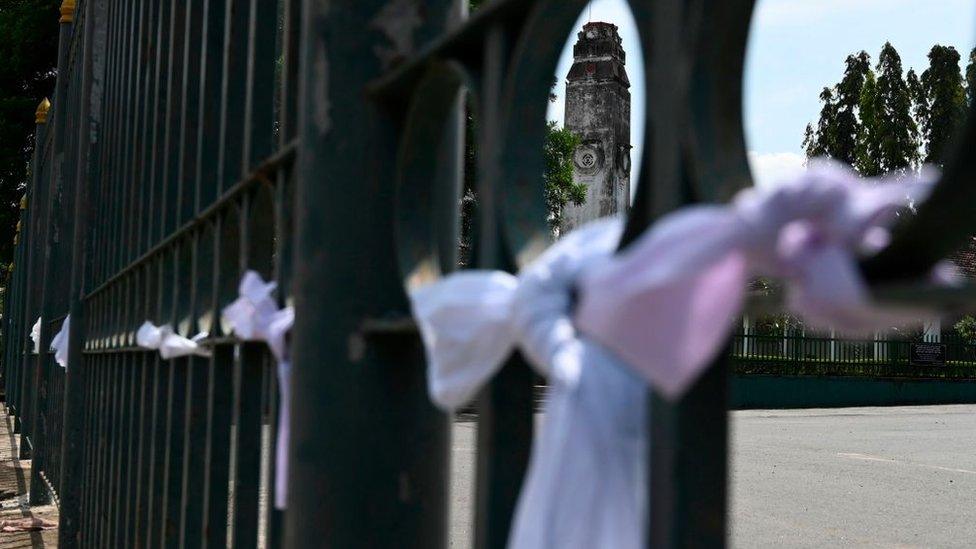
point(586, 158)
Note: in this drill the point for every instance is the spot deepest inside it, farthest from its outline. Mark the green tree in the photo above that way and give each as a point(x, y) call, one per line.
point(848, 92)
point(866, 119)
point(817, 141)
point(966, 328)
point(28, 55)
point(917, 93)
point(895, 131)
point(971, 77)
point(820, 141)
point(837, 133)
point(560, 188)
point(941, 102)
point(868, 143)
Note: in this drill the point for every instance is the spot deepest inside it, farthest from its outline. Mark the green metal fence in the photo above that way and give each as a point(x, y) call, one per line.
point(162, 173)
point(795, 347)
point(799, 354)
point(320, 143)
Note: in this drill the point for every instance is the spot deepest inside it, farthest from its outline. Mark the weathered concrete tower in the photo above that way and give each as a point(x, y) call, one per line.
point(598, 110)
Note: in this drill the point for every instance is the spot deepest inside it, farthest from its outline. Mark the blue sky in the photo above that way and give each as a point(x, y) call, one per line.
point(796, 48)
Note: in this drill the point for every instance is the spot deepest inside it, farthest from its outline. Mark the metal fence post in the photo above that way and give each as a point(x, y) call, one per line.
point(369, 453)
point(56, 269)
point(40, 237)
point(23, 346)
point(89, 134)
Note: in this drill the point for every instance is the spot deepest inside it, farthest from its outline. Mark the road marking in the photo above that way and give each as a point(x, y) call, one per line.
point(866, 457)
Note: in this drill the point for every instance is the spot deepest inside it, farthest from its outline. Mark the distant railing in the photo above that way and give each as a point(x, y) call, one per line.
point(798, 353)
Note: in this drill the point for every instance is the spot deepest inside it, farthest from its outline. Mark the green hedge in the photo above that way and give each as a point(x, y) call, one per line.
point(753, 366)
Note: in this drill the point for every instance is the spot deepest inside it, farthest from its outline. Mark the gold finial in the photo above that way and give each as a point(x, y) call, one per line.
point(16, 239)
point(23, 202)
point(11, 267)
point(67, 11)
point(18, 227)
point(41, 113)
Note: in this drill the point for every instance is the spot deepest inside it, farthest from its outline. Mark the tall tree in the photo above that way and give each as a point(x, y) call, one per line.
point(28, 55)
point(848, 101)
point(820, 141)
point(941, 102)
point(917, 93)
point(869, 140)
point(971, 77)
point(836, 135)
point(896, 132)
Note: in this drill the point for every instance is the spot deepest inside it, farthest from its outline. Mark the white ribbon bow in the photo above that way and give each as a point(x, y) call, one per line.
point(666, 304)
point(59, 344)
point(585, 485)
point(35, 335)
point(255, 316)
point(169, 343)
point(660, 312)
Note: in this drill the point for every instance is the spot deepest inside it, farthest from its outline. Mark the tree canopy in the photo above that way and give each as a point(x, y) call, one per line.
point(883, 120)
point(941, 101)
point(29, 52)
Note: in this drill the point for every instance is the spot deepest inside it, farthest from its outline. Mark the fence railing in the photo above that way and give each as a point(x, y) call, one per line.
point(798, 347)
point(320, 144)
point(809, 354)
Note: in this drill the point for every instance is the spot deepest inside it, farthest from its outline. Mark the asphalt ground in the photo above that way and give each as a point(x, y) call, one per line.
point(848, 477)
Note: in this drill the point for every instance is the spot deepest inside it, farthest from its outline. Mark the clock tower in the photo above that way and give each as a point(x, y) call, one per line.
point(598, 111)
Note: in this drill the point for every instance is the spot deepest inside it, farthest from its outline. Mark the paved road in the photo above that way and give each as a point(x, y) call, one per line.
point(855, 477)
point(852, 477)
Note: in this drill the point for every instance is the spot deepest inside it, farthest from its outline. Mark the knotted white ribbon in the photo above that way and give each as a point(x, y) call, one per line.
point(665, 305)
point(59, 343)
point(169, 343)
point(658, 312)
point(35, 335)
point(255, 316)
point(586, 480)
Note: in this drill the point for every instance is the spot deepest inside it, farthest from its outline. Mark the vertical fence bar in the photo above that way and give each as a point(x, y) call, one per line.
point(284, 236)
point(505, 408)
point(50, 268)
point(366, 390)
point(75, 389)
point(29, 264)
point(39, 238)
point(689, 438)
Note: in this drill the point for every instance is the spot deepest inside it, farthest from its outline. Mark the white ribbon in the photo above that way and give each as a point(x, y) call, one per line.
point(169, 343)
point(255, 316)
point(59, 344)
point(666, 304)
point(35, 335)
point(658, 312)
point(586, 480)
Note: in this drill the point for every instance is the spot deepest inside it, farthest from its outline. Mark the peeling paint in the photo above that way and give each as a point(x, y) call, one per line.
point(357, 347)
point(398, 20)
point(321, 104)
point(404, 487)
